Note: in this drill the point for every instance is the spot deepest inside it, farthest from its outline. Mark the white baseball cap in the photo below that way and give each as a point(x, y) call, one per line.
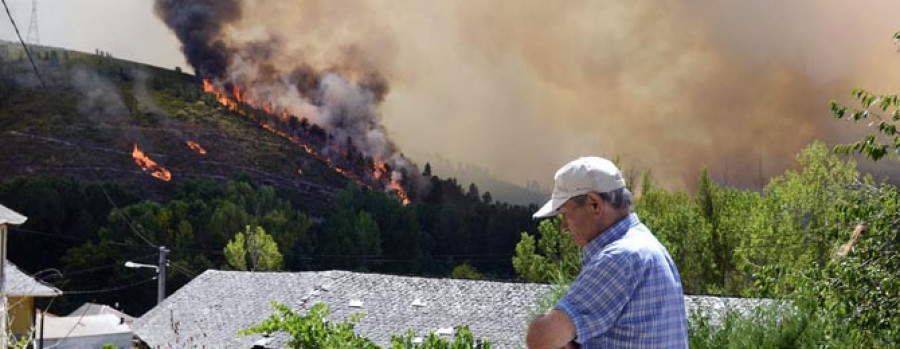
point(579, 177)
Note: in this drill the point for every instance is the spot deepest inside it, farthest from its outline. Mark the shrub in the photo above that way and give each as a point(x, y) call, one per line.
point(312, 331)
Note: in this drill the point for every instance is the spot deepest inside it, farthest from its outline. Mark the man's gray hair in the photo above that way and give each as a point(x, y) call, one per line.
point(618, 199)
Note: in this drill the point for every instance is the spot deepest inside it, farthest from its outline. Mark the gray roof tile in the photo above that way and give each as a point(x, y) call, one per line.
point(19, 284)
point(210, 310)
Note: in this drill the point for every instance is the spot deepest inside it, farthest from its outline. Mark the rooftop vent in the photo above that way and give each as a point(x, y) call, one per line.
point(262, 343)
point(418, 303)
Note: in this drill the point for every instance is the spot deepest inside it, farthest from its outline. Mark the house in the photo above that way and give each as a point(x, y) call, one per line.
point(99, 309)
point(19, 288)
point(90, 326)
point(84, 331)
point(209, 311)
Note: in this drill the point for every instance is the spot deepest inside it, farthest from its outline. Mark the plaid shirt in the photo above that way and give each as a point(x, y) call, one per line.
point(628, 294)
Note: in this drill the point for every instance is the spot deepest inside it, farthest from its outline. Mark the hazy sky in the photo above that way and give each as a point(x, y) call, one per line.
point(126, 28)
point(521, 87)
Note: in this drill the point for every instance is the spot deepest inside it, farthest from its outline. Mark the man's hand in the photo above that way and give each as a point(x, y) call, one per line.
point(552, 330)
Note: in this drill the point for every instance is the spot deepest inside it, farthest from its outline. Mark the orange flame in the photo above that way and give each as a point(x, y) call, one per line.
point(196, 147)
point(378, 171)
point(150, 166)
point(401, 193)
point(208, 87)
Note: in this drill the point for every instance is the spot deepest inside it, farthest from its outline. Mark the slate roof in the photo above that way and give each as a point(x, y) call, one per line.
point(19, 284)
point(8, 216)
point(208, 311)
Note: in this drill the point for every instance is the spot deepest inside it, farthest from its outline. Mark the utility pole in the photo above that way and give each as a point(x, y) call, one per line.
point(161, 276)
point(4, 310)
point(34, 37)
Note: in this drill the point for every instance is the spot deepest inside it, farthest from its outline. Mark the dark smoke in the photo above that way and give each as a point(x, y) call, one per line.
point(199, 25)
point(341, 96)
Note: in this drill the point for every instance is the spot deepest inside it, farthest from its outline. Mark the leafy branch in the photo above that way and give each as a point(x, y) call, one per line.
point(882, 111)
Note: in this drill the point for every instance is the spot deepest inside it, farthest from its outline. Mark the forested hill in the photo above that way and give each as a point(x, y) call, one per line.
point(94, 110)
point(216, 177)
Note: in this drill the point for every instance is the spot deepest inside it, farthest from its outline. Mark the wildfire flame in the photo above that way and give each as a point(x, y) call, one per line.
point(150, 166)
point(378, 171)
point(208, 87)
point(401, 193)
point(196, 147)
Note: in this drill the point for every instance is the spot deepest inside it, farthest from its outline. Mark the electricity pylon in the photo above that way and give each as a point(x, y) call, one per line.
point(33, 37)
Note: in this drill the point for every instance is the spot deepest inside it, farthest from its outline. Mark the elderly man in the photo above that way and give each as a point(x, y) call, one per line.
point(628, 293)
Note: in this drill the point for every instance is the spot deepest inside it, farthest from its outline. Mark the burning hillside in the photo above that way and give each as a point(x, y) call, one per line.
point(343, 158)
point(330, 112)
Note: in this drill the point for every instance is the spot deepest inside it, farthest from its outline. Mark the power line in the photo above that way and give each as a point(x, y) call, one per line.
point(111, 289)
point(82, 271)
point(35, 232)
point(122, 212)
point(40, 233)
point(184, 270)
point(27, 51)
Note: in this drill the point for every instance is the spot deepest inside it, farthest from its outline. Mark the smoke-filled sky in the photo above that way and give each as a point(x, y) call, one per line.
point(521, 87)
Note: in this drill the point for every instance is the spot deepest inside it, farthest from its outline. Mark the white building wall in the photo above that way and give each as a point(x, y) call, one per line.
point(120, 340)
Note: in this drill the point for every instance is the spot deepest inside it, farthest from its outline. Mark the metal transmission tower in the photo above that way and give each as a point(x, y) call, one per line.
point(33, 37)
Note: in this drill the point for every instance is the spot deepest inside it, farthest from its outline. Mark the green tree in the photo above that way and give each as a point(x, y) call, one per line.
point(290, 228)
point(466, 271)
point(859, 294)
point(677, 223)
point(734, 223)
point(725, 212)
point(795, 225)
point(553, 258)
point(227, 217)
point(253, 250)
point(398, 228)
point(351, 234)
point(708, 201)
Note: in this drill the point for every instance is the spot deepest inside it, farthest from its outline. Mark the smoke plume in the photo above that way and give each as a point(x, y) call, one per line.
point(199, 24)
point(521, 87)
point(100, 99)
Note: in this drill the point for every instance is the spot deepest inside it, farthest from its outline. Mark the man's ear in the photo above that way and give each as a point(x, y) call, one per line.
point(595, 202)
